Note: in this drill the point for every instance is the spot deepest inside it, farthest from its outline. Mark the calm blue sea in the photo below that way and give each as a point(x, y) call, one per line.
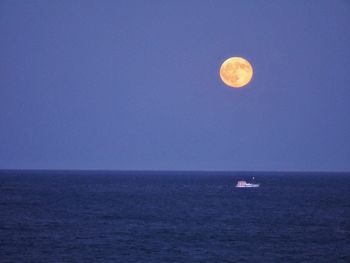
point(173, 217)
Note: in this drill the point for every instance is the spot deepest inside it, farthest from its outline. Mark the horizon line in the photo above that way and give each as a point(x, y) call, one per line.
point(164, 171)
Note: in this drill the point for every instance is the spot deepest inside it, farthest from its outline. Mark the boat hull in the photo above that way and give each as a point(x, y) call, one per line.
point(248, 186)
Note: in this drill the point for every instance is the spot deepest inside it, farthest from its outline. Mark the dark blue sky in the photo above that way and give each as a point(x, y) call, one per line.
point(135, 85)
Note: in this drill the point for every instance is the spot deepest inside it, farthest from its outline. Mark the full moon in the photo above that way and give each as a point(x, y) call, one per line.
point(236, 72)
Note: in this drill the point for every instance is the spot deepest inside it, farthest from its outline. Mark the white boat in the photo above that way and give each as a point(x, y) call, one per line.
point(244, 184)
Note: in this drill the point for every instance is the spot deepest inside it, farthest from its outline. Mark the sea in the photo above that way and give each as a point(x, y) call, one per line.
point(106, 216)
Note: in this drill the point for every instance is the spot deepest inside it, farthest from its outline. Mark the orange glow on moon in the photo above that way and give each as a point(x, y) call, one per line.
point(236, 72)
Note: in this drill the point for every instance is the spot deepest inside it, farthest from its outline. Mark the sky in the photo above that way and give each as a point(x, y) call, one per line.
point(134, 85)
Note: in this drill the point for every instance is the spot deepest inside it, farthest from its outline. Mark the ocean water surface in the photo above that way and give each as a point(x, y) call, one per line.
point(173, 217)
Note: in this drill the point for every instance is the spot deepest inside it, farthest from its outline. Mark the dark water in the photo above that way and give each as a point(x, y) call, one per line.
point(149, 217)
